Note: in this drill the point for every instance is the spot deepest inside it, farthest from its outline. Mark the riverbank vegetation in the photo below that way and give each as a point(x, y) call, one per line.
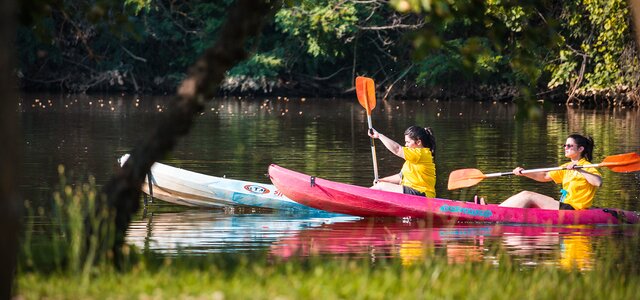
point(578, 52)
point(216, 278)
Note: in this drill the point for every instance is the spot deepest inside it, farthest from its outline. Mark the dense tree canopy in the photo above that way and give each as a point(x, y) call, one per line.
point(576, 50)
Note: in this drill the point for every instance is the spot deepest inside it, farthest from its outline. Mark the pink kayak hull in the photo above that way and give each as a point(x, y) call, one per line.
point(361, 201)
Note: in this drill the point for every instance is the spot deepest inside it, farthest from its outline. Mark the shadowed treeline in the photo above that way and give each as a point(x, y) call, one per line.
point(10, 152)
point(572, 52)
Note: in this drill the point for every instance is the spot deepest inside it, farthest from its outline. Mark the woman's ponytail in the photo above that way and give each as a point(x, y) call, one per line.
point(425, 135)
point(586, 142)
point(430, 140)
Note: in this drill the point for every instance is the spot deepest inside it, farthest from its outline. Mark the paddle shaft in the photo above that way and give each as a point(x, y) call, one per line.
point(373, 149)
point(625, 163)
point(544, 170)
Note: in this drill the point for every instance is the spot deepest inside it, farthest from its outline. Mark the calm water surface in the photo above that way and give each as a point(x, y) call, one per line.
point(239, 138)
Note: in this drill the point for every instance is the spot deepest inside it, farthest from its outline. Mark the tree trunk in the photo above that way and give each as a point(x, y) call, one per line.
point(244, 21)
point(10, 204)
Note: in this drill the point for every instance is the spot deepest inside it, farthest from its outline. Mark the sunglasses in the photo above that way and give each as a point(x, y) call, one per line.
point(567, 146)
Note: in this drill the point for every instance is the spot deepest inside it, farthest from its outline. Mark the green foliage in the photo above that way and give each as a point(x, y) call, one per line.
point(138, 5)
point(83, 230)
point(513, 17)
point(321, 26)
point(261, 64)
point(147, 45)
point(497, 41)
point(472, 60)
point(318, 46)
point(598, 34)
point(260, 72)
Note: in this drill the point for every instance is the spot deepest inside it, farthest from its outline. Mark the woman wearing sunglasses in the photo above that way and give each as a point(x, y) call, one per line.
point(578, 185)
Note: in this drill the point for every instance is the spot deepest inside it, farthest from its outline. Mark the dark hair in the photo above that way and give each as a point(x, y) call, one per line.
point(425, 135)
point(586, 142)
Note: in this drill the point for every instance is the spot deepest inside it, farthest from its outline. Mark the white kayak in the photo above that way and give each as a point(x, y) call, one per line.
point(183, 187)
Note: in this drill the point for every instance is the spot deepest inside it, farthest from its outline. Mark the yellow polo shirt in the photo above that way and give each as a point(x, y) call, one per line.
point(419, 170)
point(579, 191)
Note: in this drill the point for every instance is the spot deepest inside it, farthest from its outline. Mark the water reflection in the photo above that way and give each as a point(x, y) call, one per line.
point(408, 240)
point(414, 241)
point(204, 231)
point(286, 236)
point(576, 252)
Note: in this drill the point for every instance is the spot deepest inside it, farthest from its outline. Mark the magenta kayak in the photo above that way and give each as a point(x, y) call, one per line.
point(361, 201)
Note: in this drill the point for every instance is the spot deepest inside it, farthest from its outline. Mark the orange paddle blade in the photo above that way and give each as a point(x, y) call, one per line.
point(464, 178)
point(365, 89)
point(628, 162)
point(371, 93)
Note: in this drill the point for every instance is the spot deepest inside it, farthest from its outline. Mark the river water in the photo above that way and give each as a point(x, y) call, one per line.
point(239, 137)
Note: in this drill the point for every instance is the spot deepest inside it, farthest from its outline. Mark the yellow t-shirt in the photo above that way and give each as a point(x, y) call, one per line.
point(419, 171)
point(579, 191)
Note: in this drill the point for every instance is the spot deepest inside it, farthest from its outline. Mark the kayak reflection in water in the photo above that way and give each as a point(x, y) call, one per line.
point(576, 253)
point(418, 174)
point(578, 185)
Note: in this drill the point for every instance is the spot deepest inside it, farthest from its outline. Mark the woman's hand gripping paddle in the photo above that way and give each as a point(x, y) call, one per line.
point(365, 89)
point(622, 163)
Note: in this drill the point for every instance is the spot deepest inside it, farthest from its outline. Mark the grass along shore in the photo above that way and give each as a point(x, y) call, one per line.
point(223, 276)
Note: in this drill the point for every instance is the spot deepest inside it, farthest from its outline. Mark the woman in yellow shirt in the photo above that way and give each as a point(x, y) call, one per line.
point(579, 185)
point(418, 174)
